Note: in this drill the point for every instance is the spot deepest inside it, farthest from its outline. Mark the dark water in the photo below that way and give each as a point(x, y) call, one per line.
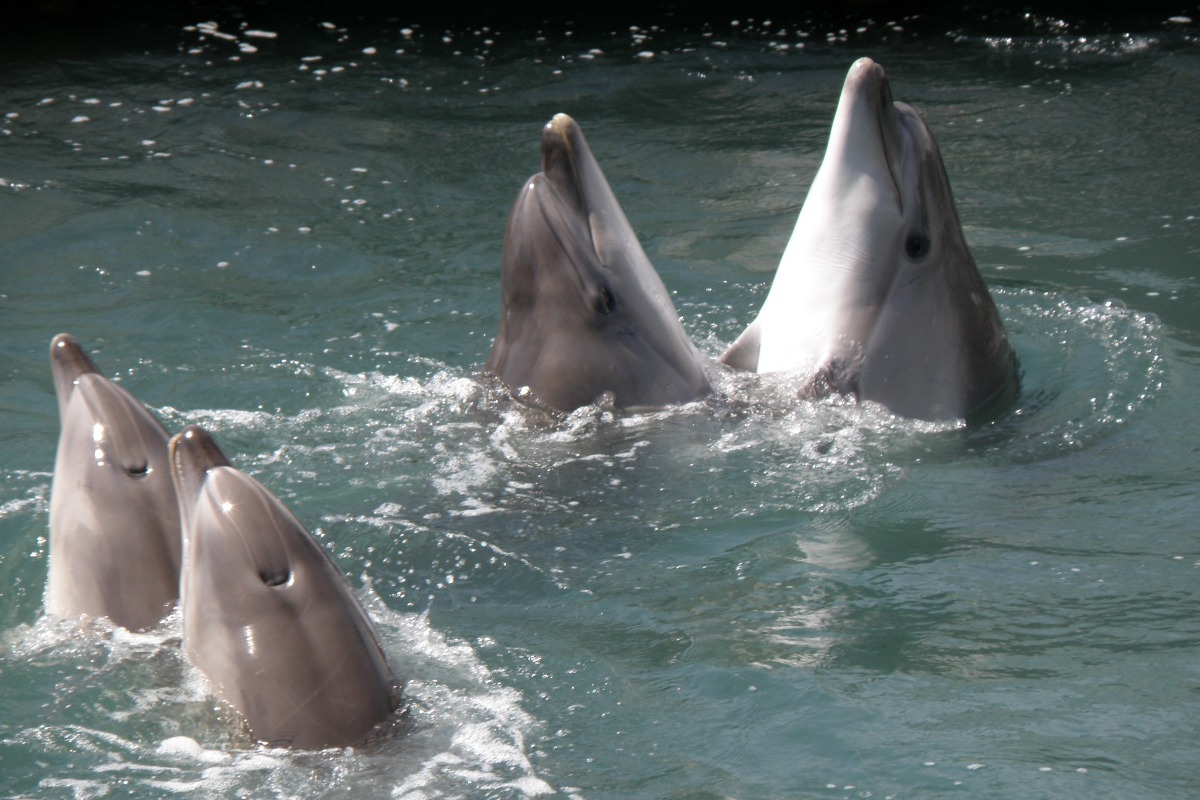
point(291, 235)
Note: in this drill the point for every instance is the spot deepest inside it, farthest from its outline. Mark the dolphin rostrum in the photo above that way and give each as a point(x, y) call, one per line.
point(583, 312)
point(114, 520)
point(877, 294)
point(267, 615)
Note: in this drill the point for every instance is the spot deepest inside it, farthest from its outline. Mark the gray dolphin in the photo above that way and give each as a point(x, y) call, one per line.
point(114, 520)
point(267, 616)
point(877, 294)
point(583, 313)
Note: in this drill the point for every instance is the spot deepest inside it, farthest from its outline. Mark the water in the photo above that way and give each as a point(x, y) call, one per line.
point(294, 240)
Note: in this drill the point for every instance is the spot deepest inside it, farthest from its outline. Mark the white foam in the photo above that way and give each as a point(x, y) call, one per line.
point(457, 701)
point(79, 789)
point(183, 747)
point(470, 738)
point(34, 502)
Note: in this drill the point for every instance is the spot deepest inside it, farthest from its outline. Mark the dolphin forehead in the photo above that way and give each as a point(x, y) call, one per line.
point(120, 428)
point(237, 530)
point(238, 533)
point(99, 414)
point(241, 536)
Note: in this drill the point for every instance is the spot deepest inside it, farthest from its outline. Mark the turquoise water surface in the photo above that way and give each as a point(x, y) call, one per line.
point(291, 235)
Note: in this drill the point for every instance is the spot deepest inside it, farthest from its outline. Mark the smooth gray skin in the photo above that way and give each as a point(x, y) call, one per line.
point(114, 520)
point(584, 314)
point(877, 293)
point(267, 615)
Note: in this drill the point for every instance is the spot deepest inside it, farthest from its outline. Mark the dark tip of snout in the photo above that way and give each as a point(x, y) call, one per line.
point(558, 143)
point(63, 340)
point(68, 356)
point(194, 449)
point(561, 125)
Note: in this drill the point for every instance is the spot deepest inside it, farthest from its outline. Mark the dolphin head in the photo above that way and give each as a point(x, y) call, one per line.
point(877, 293)
point(267, 615)
point(583, 311)
point(114, 526)
point(121, 440)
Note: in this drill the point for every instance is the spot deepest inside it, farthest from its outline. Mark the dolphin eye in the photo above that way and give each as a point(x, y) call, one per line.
point(605, 302)
point(916, 245)
point(274, 578)
point(139, 471)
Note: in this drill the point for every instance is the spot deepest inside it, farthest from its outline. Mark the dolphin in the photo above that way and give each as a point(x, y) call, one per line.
point(583, 313)
point(114, 520)
point(267, 616)
point(877, 294)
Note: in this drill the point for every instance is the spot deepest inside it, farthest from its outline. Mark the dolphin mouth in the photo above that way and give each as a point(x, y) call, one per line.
point(581, 212)
point(867, 100)
point(568, 163)
point(560, 160)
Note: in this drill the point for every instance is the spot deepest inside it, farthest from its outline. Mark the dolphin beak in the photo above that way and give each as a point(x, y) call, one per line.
point(569, 165)
point(193, 453)
point(866, 124)
point(561, 140)
point(67, 362)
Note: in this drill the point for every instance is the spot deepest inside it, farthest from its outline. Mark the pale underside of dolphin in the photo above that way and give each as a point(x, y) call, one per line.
point(583, 312)
point(114, 520)
point(877, 294)
point(267, 616)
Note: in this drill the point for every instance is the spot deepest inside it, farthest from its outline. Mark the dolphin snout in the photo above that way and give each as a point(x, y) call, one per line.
point(68, 357)
point(193, 452)
point(558, 141)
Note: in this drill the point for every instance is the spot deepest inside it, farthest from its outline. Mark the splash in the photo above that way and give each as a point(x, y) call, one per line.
point(1089, 369)
point(467, 731)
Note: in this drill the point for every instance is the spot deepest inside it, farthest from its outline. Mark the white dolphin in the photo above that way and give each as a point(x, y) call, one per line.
point(877, 294)
point(267, 616)
point(114, 520)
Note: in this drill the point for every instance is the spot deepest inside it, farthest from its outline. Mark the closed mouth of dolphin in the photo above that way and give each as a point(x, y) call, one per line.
point(891, 168)
point(578, 245)
point(569, 248)
point(885, 123)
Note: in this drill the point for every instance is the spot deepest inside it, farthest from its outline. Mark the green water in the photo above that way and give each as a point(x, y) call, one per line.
point(298, 246)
